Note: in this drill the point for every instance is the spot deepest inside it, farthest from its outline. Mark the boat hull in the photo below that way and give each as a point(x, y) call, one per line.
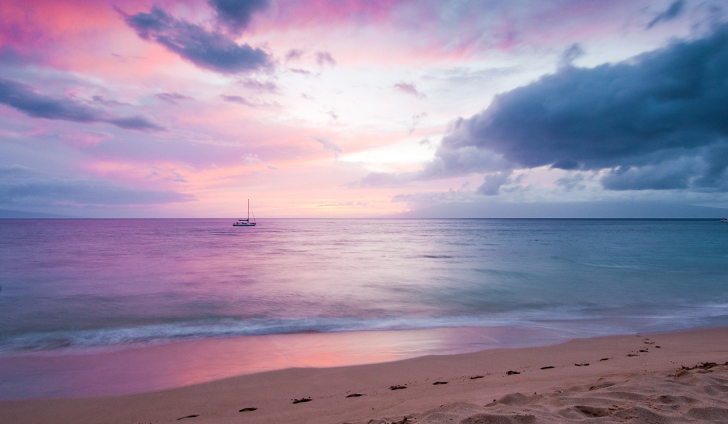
point(244, 224)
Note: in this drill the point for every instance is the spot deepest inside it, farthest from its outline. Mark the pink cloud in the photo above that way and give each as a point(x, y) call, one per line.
point(409, 89)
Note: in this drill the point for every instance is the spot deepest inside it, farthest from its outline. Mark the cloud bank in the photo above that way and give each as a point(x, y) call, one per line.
point(658, 121)
point(24, 98)
point(20, 186)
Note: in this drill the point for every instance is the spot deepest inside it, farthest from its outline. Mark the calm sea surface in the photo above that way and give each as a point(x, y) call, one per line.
point(75, 286)
point(88, 283)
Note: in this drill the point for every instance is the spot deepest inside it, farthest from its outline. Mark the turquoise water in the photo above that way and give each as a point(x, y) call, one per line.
point(77, 285)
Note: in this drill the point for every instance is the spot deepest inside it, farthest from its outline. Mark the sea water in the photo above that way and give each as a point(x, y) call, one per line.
point(76, 287)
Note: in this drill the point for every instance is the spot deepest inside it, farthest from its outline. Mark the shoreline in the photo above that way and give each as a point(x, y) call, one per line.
point(589, 370)
point(139, 369)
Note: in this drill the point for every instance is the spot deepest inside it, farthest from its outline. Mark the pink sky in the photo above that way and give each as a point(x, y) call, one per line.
point(141, 109)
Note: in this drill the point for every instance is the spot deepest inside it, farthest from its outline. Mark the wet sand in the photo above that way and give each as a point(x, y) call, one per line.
point(656, 378)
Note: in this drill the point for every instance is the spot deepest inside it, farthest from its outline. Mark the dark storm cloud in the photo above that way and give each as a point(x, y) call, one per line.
point(657, 121)
point(236, 14)
point(672, 12)
point(20, 186)
point(209, 50)
point(23, 98)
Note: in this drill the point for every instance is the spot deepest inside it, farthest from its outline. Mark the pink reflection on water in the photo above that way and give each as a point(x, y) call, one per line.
point(179, 364)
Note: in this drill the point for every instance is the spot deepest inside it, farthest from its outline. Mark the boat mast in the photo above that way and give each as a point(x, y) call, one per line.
point(248, 211)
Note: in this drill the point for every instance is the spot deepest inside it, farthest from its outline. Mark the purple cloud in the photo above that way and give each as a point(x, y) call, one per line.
point(172, 97)
point(294, 54)
point(208, 50)
point(23, 98)
point(236, 14)
point(671, 13)
point(328, 145)
point(325, 58)
point(20, 186)
point(237, 99)
point(409, 89)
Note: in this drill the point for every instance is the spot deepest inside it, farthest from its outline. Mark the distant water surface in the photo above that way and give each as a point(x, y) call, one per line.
point(76, 286)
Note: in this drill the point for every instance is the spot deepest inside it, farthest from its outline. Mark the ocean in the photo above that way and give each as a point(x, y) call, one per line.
point(80, 288)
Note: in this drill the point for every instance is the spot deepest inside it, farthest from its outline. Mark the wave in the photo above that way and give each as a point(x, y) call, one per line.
point(575, 322)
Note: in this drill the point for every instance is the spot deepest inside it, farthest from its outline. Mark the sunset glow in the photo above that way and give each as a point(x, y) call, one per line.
point(353, 108)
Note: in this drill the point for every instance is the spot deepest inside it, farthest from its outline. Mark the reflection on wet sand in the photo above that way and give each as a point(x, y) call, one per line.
point(150, 368)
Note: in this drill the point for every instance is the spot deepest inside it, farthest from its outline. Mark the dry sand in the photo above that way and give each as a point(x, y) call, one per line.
point(659, 378)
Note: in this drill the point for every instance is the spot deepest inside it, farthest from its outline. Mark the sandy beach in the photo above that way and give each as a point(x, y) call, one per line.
point(655, 378)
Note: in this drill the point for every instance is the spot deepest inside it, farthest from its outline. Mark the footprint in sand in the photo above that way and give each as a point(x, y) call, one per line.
point(248, 409)
point(512, 373)
point(302, 400)
point(475, 377)
point(439, 382)
point(397, 387)
point(189, 416)
point(547, 368)
point(355, 395)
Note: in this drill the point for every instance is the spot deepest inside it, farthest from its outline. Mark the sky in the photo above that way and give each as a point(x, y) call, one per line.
point(364, 108)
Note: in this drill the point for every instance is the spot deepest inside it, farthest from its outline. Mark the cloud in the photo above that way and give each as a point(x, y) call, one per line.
point(236, 14)
point(24, 98)
point(243, 101)
point(409, 89)
point(416, 122)
point(21, 186)
point(493, 183)
point(383, 179)
point(572, 182)
point(237, 99)
point(172, 97)
point(106, 102)
point(422, 199)
point(135, 123)
point(671, 13)
point(254, 84)
point(325, 58)
point(294, 54)
point(570, 55)
point(208, 50)
point(656, 121)
point(329, 146)
point(300, 71)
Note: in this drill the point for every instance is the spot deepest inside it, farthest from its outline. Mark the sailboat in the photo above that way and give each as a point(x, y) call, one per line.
point(246, 222)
